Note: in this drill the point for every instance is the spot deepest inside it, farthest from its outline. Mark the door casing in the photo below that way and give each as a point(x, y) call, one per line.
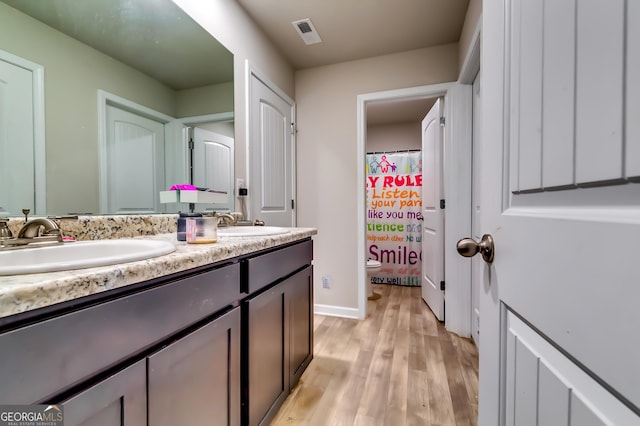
point(457, 190)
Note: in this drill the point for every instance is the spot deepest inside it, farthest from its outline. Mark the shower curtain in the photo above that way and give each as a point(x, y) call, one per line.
point(394, 204)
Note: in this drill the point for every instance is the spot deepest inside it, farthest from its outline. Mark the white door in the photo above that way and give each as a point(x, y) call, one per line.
point(432, 213)
point(476, 262)
point(561, 155)
point(16, 140)
point(213, 166)
point(135, 163)
point(271, 170)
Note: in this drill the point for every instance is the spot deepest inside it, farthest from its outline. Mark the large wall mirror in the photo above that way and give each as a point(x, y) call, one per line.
point(145, 57)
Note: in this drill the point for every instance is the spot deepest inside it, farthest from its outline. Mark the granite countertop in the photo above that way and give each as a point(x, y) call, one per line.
point(22, 293)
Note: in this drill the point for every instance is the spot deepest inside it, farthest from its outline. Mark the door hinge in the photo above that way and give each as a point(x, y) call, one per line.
point(293, 204)
point(191, 144)
point(293, 128)
point(442, 285)
point(442, 121)
point(442, 204)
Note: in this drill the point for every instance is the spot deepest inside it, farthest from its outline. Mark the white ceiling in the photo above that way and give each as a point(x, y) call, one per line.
point(357, 29)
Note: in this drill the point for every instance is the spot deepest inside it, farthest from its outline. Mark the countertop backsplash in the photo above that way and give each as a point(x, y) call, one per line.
point(110, 227)
point(113, 226)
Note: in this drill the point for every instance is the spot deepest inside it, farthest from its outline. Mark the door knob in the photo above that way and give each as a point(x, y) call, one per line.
point(468, 247)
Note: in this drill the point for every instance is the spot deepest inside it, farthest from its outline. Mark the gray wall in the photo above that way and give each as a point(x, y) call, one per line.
point(326, 152)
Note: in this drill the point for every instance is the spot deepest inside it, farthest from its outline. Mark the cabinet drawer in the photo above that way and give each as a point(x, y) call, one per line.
point(264, 269)
point(61, 352)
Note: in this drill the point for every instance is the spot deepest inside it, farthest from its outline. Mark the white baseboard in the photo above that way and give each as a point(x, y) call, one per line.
point(335, 311)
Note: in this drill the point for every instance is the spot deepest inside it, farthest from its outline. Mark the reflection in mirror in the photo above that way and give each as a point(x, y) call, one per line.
point(147, 53)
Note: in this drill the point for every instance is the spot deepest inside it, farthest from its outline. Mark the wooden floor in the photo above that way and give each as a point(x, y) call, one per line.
point(397, 367)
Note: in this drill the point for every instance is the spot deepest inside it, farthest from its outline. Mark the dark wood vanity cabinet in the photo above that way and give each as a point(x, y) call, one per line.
point(279, 344)
point(196, 349)
point(279, 324)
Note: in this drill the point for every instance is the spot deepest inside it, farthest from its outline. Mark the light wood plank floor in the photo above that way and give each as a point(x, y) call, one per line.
point(397, 367)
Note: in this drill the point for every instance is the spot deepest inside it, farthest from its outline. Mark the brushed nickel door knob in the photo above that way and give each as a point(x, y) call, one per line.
point(468, 247)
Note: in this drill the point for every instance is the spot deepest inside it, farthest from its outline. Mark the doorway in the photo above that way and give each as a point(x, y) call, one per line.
point(404, 226)
point(209, 163)
point(457, 155)
point(394, 169)
point(212, 161)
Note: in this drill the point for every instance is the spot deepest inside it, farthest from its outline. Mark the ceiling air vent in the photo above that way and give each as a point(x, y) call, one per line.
point(307, 31)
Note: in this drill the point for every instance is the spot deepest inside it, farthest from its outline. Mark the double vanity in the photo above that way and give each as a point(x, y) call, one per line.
point(205, 335)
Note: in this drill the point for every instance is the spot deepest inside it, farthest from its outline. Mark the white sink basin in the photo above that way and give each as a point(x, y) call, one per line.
point(251, 231)
point(81, 254)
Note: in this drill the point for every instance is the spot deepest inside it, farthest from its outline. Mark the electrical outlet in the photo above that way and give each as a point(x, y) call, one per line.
point(241, 187)
point(326, 281)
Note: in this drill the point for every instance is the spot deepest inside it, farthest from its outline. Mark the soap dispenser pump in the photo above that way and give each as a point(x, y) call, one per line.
point(5, 232)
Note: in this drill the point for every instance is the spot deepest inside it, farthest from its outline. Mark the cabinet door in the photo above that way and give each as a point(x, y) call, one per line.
point(267, 370)
point(299, 298)
point(120, 399)
point(196, 380)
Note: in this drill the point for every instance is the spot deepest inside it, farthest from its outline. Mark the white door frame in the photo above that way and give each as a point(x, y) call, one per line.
point(457, 189)
point(252, 71)
point(39, 138)
point(105, 98)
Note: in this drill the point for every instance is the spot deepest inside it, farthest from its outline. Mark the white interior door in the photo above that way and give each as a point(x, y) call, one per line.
point(17, 174)
point(271, 156)
point(213, 166)
point(135, 162)
point(476, 232)
point(432, 213)
point(560, 160)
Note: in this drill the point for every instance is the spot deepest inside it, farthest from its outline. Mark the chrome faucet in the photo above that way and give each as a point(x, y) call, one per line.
point(41, 227)
point(5, 232)
point(226, 218)
point(34, 233)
